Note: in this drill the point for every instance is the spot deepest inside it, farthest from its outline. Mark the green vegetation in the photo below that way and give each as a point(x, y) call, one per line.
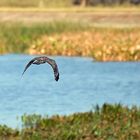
point(71, 39)
point(110, 122)
point(35, 3)
point(17, 37)
point(64, 3)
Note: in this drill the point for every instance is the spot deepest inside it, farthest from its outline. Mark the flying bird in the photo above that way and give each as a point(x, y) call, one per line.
point(41, 60)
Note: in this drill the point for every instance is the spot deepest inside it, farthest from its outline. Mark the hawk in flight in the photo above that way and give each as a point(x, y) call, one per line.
point(42, 60)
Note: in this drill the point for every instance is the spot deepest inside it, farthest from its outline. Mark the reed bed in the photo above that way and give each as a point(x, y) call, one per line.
point(71, 39)
point(110, 122)
point(103, 44)
point(18, 37)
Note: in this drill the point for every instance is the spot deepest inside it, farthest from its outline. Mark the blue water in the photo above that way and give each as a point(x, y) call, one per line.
point(83, 84)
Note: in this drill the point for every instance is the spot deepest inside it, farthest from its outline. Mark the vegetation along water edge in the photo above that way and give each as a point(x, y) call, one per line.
point(115, 122)
point(71, 39)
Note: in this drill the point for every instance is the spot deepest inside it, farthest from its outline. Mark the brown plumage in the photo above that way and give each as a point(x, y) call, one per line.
point(42, 60)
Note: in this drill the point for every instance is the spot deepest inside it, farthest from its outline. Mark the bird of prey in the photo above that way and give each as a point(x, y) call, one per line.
point(41, 60)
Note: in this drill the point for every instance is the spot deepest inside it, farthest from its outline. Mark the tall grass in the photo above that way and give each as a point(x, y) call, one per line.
point(71, 39)
point(17, 37)
point(34, 3)
point(110, 122)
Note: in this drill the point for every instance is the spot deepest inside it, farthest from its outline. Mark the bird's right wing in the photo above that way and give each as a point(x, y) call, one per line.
point(54, 66)
point(28, 65)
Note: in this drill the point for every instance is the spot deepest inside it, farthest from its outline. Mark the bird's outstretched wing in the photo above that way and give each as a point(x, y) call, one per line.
point(54, 66)
point(28, 65)
point(41, 60)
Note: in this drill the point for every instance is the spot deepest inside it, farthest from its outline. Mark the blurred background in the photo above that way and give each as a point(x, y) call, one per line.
point(81, 35)
point(67, 3)
point(27, 27)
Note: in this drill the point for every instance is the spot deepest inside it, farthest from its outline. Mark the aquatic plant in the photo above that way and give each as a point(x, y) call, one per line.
point(106, 122)
point(18, 37)
point(71, 39)
point(103, 44)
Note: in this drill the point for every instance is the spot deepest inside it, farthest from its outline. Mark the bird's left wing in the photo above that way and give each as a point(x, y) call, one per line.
point(28, 65)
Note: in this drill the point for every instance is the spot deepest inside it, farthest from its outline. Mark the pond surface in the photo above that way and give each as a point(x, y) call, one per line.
point(83, 84)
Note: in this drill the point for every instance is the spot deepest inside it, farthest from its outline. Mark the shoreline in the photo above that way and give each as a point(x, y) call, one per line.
point(121, 120)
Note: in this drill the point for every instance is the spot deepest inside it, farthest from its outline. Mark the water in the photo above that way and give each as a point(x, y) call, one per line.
point(83, 84)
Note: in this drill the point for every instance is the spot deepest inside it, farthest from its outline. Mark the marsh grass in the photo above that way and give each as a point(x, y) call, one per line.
point(34, 3)
point(53, 3)
point(103, 44)
point(71, 39)
point(115, 122)
point(17, 37)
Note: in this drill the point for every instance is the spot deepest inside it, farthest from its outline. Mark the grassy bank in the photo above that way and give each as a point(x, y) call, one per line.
point(35, 3)
point(110, 122)
point(103, 44)
point(18, 37)
point(71, 39)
